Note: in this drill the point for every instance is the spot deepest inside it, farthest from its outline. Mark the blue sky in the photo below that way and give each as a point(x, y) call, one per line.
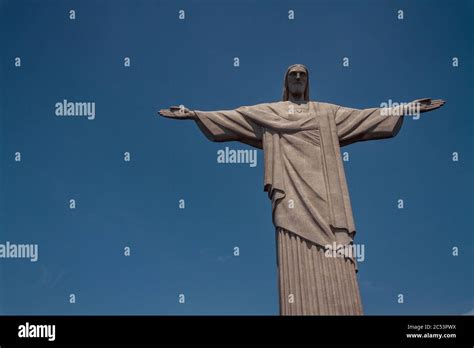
point(190, 62)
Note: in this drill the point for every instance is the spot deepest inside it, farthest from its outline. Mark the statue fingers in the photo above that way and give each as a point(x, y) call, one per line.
point(438, 102)
point(423, 101)
point(167, 113)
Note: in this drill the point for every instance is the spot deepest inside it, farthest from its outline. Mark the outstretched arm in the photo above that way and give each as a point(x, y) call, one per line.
point(224, 125)
point(355, 125)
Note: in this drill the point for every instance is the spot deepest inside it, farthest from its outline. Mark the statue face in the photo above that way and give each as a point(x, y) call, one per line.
point(297, 81)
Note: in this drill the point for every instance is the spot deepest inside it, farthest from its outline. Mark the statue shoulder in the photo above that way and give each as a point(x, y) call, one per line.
point(326, 106)
point(265, 106)
point(262, 104)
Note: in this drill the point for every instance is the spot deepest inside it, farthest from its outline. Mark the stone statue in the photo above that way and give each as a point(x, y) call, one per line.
point(305, 181)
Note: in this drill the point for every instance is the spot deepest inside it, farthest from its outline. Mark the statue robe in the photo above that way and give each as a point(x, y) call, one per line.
point(304, 173)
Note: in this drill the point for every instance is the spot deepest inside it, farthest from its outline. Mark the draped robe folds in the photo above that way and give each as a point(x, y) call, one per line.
point(303, 169)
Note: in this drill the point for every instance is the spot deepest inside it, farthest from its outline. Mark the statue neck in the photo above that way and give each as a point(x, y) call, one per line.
point(296, 98)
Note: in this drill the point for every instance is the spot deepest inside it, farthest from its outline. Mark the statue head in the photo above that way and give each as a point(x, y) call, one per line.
point(296, 83)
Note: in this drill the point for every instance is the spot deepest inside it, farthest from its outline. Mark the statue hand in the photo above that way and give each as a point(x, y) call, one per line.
point(178, 112)
point(428, 104)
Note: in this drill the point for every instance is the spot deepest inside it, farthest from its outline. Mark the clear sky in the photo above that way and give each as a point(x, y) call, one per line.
point(190, 251)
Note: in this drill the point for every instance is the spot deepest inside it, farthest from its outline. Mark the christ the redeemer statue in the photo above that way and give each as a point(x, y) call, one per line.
point(305, 180)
